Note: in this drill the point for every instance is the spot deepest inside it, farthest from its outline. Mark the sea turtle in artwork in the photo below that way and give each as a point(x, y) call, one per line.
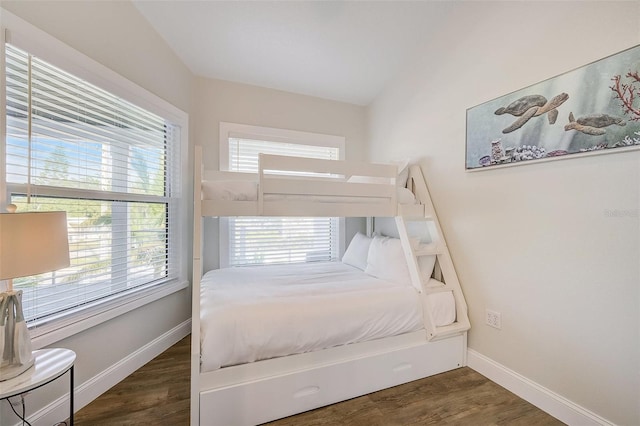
point(520, 106)
point(532, 106)
point(593, 124)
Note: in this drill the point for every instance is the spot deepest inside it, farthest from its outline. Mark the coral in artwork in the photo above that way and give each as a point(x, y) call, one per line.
point(626, 93)
point(595, 148)
point(628, 141)
point(528, 152)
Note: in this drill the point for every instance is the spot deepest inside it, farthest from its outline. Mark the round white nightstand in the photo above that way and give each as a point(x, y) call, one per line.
point(49, 365)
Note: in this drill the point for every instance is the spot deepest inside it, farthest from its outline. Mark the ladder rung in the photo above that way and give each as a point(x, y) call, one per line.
point(410, 218)
point(427, 249)
point(438, 289)
point(448, 330)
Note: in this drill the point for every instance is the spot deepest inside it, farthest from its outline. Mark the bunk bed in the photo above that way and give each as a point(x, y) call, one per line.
point(237, 379)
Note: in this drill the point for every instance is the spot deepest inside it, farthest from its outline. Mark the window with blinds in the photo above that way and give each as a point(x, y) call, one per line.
point(111, 165)
point(266, 240)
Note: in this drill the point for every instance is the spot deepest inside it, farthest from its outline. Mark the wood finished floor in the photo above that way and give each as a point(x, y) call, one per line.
point(158, 394)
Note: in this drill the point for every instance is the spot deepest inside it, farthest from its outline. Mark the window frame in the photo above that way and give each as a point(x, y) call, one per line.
point(25, 36)
point(229, 130)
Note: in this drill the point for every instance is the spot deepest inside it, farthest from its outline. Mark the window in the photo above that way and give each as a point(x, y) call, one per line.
point(111, 165)
point(265, 240)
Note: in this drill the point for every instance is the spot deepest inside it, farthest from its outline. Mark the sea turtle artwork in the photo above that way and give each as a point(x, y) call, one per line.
point(593, 124)
point(601, 101)
point(532, 106)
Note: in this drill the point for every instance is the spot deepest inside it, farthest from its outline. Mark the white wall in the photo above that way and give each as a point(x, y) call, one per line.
point(533, 242)
point(216, 100)
point(114, 34)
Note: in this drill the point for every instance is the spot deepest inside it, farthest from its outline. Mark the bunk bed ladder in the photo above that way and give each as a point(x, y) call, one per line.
point(422, 238)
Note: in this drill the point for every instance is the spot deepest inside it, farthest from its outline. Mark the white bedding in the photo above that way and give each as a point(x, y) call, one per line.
point(261, 312)
point(245, 190)
point(230, 190)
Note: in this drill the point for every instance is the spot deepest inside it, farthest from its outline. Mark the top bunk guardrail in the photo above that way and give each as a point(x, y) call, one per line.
point(296, 186)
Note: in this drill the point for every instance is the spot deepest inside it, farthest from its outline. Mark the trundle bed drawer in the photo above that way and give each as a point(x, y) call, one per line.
point(271, 398)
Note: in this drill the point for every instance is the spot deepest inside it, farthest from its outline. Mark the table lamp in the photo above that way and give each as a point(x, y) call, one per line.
point(30, 244)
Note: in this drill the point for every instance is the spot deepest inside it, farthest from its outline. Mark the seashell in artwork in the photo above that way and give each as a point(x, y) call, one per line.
point(497, 152)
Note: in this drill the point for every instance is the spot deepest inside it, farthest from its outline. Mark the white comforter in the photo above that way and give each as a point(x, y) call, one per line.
point(260, 312)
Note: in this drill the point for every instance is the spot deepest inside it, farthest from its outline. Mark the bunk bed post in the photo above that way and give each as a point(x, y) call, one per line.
point(195, 287)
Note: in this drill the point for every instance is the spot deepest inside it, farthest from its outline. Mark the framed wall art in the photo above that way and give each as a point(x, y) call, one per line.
point(594, 108)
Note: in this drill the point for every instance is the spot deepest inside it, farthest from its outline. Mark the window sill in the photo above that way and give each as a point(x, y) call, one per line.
point(57, 330)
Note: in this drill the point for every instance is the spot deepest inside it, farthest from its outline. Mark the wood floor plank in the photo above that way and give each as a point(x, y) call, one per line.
point(458, 397)
point(158, 394)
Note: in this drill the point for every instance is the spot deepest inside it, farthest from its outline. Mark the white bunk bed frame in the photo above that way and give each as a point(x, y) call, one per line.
point(262, 391)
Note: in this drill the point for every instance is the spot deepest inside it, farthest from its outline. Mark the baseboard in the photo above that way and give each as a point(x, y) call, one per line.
point(106, 379)
point(543, 398)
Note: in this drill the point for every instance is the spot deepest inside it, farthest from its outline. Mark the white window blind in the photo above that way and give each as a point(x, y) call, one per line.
point(263, 240)
point(111, 165)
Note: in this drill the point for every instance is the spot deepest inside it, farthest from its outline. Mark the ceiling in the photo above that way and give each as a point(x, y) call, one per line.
point(340, 50)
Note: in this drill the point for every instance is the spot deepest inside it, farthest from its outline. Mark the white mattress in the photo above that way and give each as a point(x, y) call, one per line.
point(261, 312)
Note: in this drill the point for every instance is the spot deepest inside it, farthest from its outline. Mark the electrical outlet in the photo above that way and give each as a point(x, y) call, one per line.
point(493, 319)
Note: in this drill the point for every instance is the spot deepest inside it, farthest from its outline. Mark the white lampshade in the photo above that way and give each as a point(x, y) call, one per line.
point(32, 243)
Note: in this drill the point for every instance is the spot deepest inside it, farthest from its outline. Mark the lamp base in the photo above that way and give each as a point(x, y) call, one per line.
point(10, 371)
point(16, 356)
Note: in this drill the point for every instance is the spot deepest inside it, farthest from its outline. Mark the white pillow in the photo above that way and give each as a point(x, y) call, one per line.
point(357, 252)
point(386, 260)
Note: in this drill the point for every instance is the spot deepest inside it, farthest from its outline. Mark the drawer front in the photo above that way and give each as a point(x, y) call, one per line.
point(272, 398)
